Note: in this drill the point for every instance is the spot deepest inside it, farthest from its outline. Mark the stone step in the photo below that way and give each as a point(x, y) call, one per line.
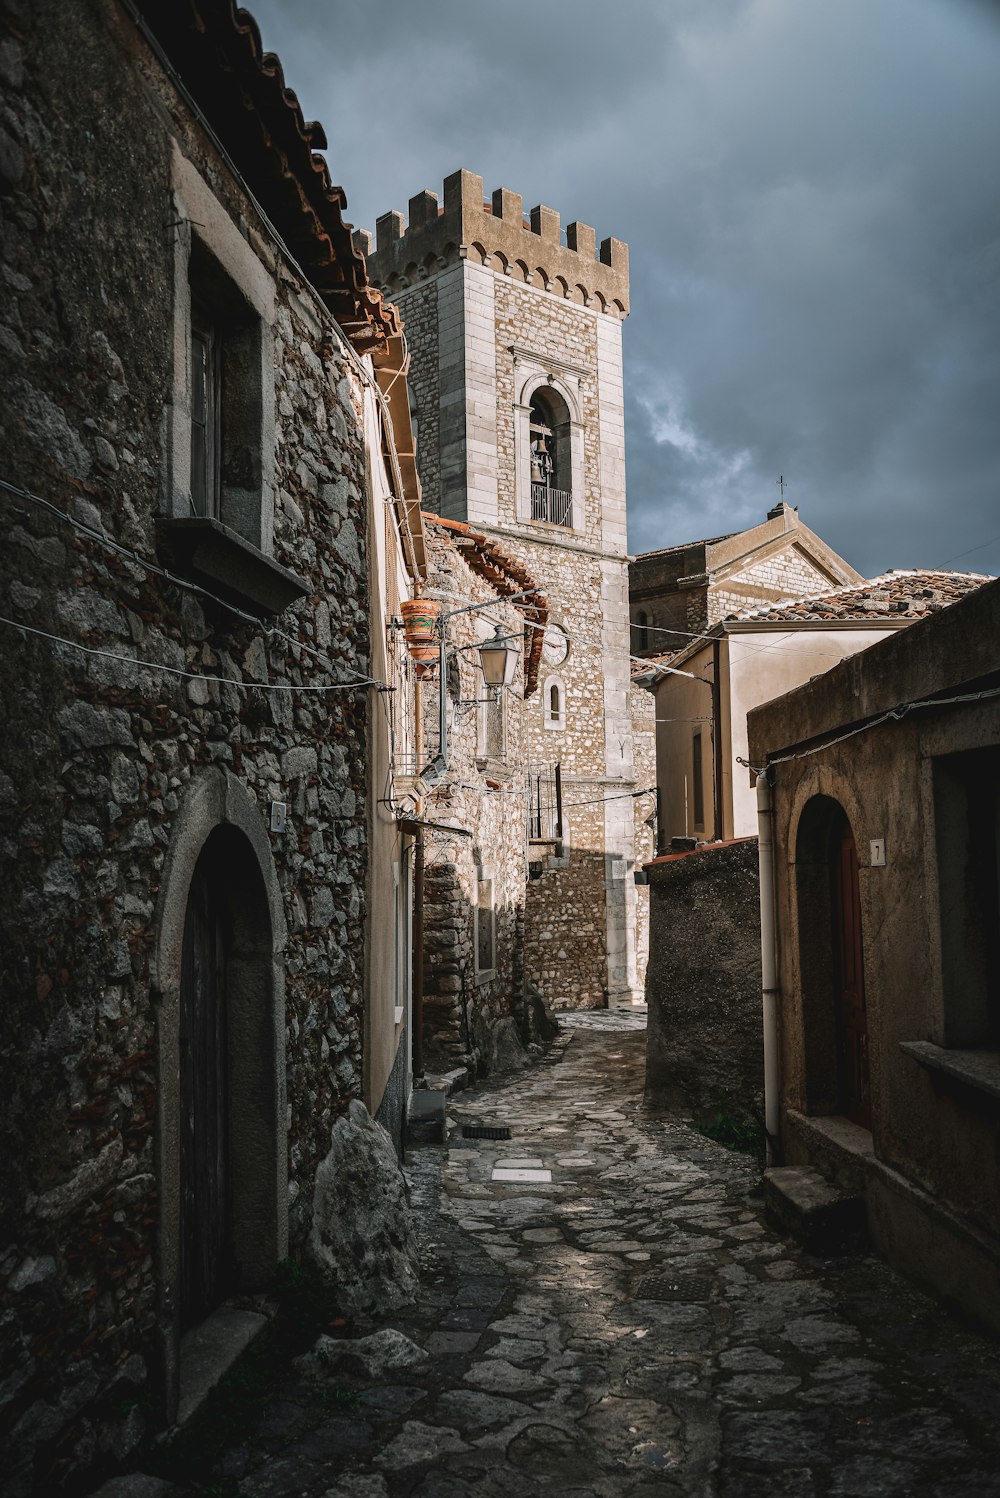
point(426, 1120)
point(803, 1203)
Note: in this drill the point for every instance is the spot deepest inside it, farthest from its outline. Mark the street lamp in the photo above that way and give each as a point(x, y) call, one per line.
point(499, 658)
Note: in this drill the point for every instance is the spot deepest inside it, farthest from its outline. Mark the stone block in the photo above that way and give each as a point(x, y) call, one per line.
point(363, 1235)
point(581, 238)
point(803, 1203)
point(426, 1121)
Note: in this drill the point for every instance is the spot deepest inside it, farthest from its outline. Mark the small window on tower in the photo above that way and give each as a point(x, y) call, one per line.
point(554, 704)
point(642, 625)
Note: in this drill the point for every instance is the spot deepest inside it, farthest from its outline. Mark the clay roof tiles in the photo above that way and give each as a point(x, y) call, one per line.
point(901, 596)
point(215, 48)
point(908, 593)
point(508, 577)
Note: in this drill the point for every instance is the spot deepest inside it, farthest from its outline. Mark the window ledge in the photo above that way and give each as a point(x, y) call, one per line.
point(979, 1070)
point(233, 569)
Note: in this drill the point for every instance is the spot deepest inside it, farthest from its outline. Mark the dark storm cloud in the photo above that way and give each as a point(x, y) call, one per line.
point(811, 196)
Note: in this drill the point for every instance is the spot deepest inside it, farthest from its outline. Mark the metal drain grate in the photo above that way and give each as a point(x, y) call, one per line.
point(485, 1131)
point(663, 1287)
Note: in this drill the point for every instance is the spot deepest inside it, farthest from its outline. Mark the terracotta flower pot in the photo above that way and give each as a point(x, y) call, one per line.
point(420, 616)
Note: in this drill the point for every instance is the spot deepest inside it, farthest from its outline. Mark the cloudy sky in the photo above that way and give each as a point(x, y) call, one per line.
point(810, 190)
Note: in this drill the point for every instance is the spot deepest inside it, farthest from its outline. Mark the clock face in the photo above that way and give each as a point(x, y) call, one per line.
point(555, 645)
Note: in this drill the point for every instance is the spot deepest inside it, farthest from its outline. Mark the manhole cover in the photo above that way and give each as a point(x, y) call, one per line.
point(485, 1131)
point(665, 1287)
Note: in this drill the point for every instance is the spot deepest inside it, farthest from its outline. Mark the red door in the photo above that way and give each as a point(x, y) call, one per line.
point(852, 1018)
point(205, 1246)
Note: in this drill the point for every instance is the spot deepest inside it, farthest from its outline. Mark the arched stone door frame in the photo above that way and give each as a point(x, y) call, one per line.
point(217, 803)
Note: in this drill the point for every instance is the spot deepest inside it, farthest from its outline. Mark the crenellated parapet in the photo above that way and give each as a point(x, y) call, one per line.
point(496, 234)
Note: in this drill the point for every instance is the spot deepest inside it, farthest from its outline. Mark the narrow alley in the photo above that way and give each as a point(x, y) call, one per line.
point(629, 1328)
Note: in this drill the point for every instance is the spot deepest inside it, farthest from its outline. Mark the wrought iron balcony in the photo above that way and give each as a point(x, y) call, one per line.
point(553, 505)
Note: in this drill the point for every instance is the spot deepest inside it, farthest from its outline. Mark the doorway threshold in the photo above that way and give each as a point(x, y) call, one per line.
point(208, 1351)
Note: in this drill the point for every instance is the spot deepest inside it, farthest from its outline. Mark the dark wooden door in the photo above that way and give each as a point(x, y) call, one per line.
point(205, 1205)
point(852, 1017)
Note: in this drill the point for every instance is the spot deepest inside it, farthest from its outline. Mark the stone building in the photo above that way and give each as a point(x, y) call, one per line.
point(516, 377)
point(195, 455)
point(881, 805)
point(475, 1007)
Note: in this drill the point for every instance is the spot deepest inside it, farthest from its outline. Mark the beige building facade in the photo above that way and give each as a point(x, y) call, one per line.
point(882, 798)
point(516, 379)
point(704, 692)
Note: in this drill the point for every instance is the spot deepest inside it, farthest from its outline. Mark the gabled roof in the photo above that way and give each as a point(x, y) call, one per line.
point(507, 576)
point(908, 593)
point(215, 48)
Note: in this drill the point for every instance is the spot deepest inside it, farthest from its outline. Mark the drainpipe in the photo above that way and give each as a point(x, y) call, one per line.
point(717, 784)
point(769, 967)
point(417, 958)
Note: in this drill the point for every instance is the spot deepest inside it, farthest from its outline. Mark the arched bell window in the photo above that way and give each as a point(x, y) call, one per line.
point(551, 473)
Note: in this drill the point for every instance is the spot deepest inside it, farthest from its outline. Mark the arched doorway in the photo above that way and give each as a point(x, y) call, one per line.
point(206, 1188)
point(218, 984)
point(831, 964)
point(853, 1078)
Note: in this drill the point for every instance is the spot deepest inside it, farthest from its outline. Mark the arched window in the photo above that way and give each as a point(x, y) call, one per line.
point(551, 472)
point(554, 703)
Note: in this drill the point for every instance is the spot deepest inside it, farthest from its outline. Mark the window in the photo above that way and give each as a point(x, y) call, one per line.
point(205, 414)
point(485, 924)
point(967, 825)
point(493, 724)
point(220, 409)
point(551, 464)
point(554, 704)
point(225, 401)
point(642, 624)
point(697, 786)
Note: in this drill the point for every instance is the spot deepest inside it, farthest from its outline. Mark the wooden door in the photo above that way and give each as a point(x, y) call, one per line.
point(205, 1190)
point(852, 1018)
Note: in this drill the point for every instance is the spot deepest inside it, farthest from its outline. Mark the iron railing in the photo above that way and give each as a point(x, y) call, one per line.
point(553, 505)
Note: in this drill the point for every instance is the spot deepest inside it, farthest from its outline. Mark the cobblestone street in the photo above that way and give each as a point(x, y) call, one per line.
point(631, 1329)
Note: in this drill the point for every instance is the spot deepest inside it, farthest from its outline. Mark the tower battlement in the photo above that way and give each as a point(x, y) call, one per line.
point(496, 234)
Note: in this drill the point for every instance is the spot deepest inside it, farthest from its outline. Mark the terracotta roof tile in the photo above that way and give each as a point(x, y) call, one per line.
point(903, 594)
point(508, 577)
point(215, 48)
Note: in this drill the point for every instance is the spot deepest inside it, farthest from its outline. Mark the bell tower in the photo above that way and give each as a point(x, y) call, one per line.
point(514, 334)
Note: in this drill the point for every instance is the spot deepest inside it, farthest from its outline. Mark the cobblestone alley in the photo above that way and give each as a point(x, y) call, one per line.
point(630, 1329)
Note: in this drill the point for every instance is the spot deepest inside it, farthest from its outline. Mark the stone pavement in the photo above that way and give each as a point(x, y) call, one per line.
point(631, 1329)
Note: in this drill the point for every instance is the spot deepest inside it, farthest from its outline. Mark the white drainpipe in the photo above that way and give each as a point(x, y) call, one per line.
point(769, 967)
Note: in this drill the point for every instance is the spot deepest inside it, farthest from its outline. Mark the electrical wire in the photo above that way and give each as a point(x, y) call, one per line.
point(136, 557)
point(228, 681)
point(893, 714)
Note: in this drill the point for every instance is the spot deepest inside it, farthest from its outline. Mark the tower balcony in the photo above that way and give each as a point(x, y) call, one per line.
point(553, 505)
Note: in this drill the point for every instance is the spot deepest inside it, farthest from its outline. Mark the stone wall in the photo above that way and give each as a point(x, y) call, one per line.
point(100, 757)
point(704, 1037)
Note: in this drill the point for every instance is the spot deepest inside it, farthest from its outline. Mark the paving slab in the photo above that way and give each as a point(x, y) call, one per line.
point(637, 1329)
